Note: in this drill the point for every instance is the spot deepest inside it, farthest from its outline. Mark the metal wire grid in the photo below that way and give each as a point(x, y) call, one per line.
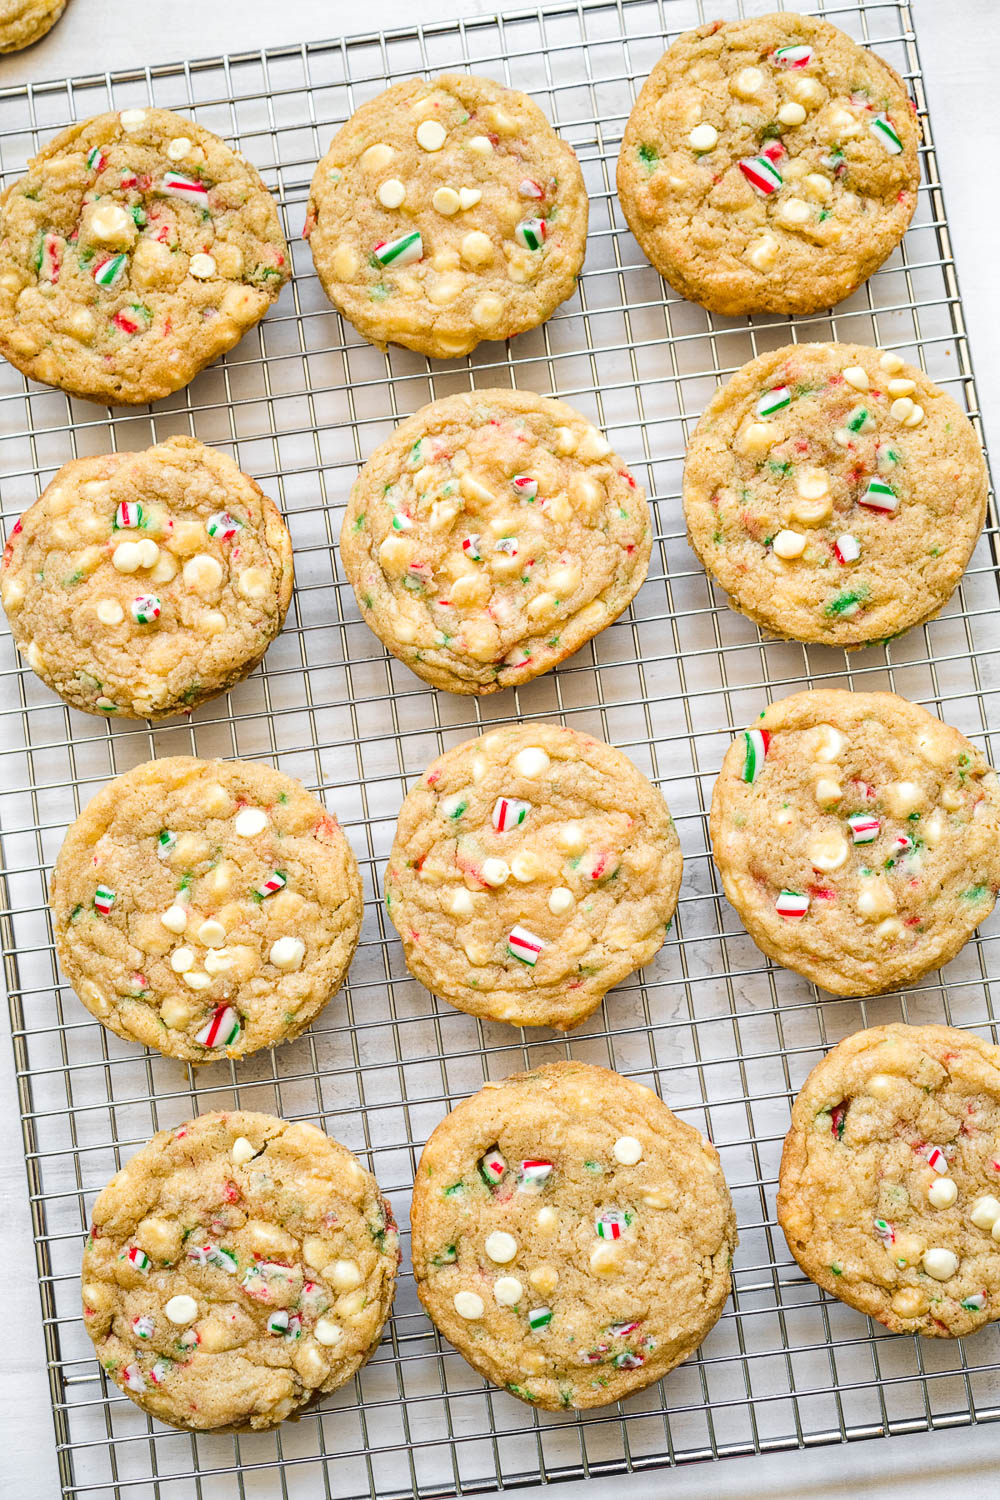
point(725, 1037)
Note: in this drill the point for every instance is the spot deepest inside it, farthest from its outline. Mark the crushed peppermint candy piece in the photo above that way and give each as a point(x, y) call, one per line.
point(879, 496)
point(847, 548)
point(222, 1030)
point(761, 173)
point(214, 1255)
point(757, 742)
point(508, 813)
point(136, 1258)
point(612, 1224)
point(884, 131)
point(506, 544)
point(223, 525)
point(133, 1378)
point(791, 904)
point(161, 1369)
point(187, 189)
point(885, 1231)
point(524, 945)
point(96, 159)
point(533, 1174)
point(277, 1323)
point(470, 546)
point(901, 843)
point(404, 251)
point(529, 188)
point(128, 516)
point(792, 57)
point(524, 486)
point(145, 609)
point(531, 233)
point(50, 258)
point(937, 1161)
point(492, 1167)
point(275, 882)
point(539, 1317)
point(774, 400)
point(622, 1330)
point(864, 828)
point(166, 843)
point(143, 1327)
point(975, 1303)
point(104, 899)
point(110, 271)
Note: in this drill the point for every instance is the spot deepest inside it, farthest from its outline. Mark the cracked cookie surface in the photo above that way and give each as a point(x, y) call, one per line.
point(236, 1268)
point(571, 1236)
point(492, 536)
point(532, 870)
point(136, 249)
point(835, 493)
point(769, 165)
point(889, 1177)
point(205, 908)
point(858, 838)
point(141, 584)
point(447, 212)
point(23, 22)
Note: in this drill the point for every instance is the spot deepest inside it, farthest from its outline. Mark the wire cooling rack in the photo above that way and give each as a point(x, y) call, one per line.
point(724, 1036)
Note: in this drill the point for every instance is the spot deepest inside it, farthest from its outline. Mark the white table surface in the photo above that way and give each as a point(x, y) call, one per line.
point(960, 51)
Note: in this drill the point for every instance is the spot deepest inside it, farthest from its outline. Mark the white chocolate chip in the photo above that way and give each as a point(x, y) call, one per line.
point(915, 417)
point(468, 197)
point(174, 918)
point(181, 960)
point(627, 1150)
point(202, 267)
point(343, 1275)
point(481, 145)
point(546, 1220)
point(461, 903)
point(327, 1332)
point(181, 1309)
point(131, 119)
point(942, 1192)
point(985, 1212)
point(477, 249)
point(496, 872)
point(250, 821)
point(793, 211)
point(446, 202)
point(748, 83)
point(202, 573)
point(828, 850)
point(876, 898)
point(531, 762)
point(211, 934)
point(763, 253)
point(572, 838)
point(391, 193)
point(606, 1257)
point(703, 137)
point(759, 438)
point(791, 113)
point(501, 1247)
point(126, 557)
point(524, 867)
point(856, 376)
point(889, 930)
point(901, 387)
point(818, 187)
point(243, 1150)
point(903, 797)
point(789, 544)
point(901, 409)
point(827, 791)
point(287, 954)
point(469, 1305)
point(195, 979)
point(109, 612)
point(812, 483)
point(178, 148)
point(508, 1291)
point(544, 1279)
point(254, 583)
point(377, 157)
point(431, 135)
point(939, 1263)
point(218, 961)
point(891, 363)
point(933, 831)
point(561, 900)
point(829, 742)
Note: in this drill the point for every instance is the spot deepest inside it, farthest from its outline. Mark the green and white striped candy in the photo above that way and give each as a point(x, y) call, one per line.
point(773, 401)
point(883, 130)
point(530, 233)
point(879, 496)
point(109, 272)
point(405, 251)
point(539, 1317)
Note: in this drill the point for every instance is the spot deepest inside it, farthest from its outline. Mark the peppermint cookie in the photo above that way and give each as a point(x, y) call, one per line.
point(858, 837)
point(205, 907)
point(532, 870)
point(835, 493)
point(445, 213)
point(236, 1268)
point(889, 1178)
point(25, 21)
point(571, 1237)
point(137, 248)
point(141, 584)
point(491, 536)
point(769, 165)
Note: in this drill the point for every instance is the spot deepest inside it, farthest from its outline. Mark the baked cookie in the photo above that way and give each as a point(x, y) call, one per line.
point(137, 248)
point(25, 21)
point(492, 536)
point(858, 837)
point(445, 213)
point(571, 1237)
point(889, 1176)
point(835, 493)
point(532, 870)
point(141, 584)
point(205, 907)
point(769, 165)
point(236, 1268)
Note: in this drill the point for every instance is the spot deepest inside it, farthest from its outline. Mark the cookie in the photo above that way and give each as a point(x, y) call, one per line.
point(446, 212)
point(835, 493)
point(137, 248)
point(769, 165)
point(492, 536)
point(889, 1178)
point(206, 908)
point(571, 1237)
point(532, 870)
point(857, 837)
point(25, 21)
point(141, 584)
point(236, 1268)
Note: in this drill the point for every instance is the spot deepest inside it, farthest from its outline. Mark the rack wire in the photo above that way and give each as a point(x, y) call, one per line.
point(725, 1037)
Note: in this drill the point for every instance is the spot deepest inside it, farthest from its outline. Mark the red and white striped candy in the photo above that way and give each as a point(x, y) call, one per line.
point(508, 813)
point(138, 1258)
point(879, 496)
point(864, 828)
point(187, 189)
point(524, 945)
point(493, 1167)
point(104, 900)
point(506, 544)
point(470, 546)
point(533, 1173)
point(222, 1030)
point(223, 525)
point(275, 882)
point(611, 1225)
point(937, 1161)
point(901, 843)
point(622, 1330)
point(524, 486)
point(761, 173)
point(529, 188)
point(133, 1378)
point(847, 548)
point(792, 57)
point(756, 741)
point(791, 904)
point(128, 516)
point(52, 248)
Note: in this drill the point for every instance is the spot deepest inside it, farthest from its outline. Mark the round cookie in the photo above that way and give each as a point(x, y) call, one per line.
point(236, 1268)
point(889, 1178)
point(492, 536)
point(141, 584)
point(25, 21)
point(857, 837)
point(137, 248)
point(835, 493)
point(447, 212)
point(571, 1237)
point(769, 165)
point(532, 870)
point(206, 908)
